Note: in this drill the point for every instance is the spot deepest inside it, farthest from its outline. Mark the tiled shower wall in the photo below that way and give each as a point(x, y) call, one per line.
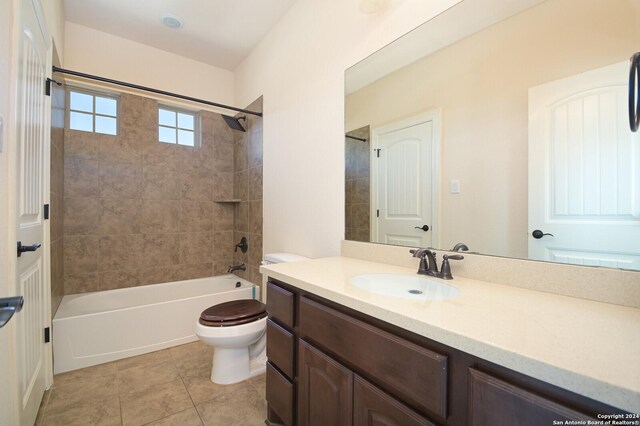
point(56, 196)
point(138, 211)
point(248, 189)
point(357, 193)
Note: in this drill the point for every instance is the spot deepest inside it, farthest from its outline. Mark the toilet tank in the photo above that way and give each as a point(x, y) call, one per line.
point(272, 258)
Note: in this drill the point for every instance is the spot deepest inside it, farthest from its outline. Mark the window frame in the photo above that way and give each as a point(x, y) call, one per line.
point(176, 128)
point(94, 94)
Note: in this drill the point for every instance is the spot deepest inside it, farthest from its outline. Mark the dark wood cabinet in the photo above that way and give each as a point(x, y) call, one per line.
point(325, 389)
point(497, 403)
point(373, 407)
point(331, 365)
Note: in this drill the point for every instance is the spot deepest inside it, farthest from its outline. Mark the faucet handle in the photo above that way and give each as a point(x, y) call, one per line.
point(445, 269)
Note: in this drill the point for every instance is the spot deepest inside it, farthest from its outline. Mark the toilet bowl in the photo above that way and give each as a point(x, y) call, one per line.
point(237, 332)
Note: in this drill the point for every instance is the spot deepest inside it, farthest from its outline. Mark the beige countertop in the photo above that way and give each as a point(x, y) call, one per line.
point(591, 348)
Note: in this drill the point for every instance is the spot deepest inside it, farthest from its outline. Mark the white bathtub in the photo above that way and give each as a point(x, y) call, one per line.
point(94, 328)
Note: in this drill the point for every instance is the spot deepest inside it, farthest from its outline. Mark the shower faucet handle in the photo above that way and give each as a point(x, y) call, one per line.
point(243, 245)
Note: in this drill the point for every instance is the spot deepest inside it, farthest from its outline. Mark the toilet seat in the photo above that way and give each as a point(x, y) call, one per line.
point(236, 312)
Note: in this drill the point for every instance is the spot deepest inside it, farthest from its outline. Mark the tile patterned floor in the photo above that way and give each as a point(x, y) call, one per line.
point(168, 387)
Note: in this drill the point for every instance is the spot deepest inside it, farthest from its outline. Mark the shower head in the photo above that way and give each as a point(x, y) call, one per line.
point(234, 122)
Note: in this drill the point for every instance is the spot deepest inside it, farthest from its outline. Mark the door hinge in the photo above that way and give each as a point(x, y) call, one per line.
point(47, 335)
point(46, 211)
point(378, 213)
point(377, 150)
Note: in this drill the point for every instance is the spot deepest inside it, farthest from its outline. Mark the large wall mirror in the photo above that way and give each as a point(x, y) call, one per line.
point(502, 125)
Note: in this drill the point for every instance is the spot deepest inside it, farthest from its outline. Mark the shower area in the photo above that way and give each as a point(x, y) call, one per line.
point(135, 210)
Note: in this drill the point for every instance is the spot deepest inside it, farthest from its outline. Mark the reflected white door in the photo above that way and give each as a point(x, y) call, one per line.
point(405, 172)
point(584, 171)
point(32, 163)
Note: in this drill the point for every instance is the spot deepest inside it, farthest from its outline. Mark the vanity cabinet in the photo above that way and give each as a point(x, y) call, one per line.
point(331, 365)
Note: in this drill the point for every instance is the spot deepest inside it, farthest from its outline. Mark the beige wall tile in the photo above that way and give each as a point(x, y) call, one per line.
point(126, 147)
point(196, 216)
point(120, 180)
point(160, 216)
point(241, 185)
point(195, 158)
point(222, 185)
point(160, 249)
point(255, 217)
point(240, 153)
point(81, 144)
point(80, 254)
point(161, 155)
point(120, 216)
point(242, 217)
point(81, 215)
point(223, 157)
point(255, 148)
point(81, 283)
point(196, 185)
point(109, 280)
point(120, 252)
point(160, 274)
point(255, 183)
point(160, 184)
point(138, 112)
point(80, 177)
point(221, 132)
point(223, 216)
point(223, 244)
point(200, 270)
point(196, 248)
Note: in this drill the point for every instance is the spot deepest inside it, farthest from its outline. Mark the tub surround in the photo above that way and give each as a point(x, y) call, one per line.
point(583, 346)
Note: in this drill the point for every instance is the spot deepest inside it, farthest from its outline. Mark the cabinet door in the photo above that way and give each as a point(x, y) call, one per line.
point(373, 407)
point(494, 402)
point(325, 389)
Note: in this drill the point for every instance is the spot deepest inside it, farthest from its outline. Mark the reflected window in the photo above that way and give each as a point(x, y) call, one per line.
point(93, 112)
point(177, 126)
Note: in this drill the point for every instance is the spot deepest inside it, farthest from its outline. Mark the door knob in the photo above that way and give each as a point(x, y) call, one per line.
point(22, 249)
point(425, 228)
point(537, 234)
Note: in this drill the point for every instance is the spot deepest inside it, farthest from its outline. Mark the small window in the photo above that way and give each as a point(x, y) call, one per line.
point(91, 112)
point(176, 126)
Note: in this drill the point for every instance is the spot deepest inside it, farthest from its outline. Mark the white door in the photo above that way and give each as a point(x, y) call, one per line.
point(584, 171)
point(32, 131)
point(405, 174)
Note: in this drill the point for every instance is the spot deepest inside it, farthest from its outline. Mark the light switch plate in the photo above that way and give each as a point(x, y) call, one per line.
point(454, 187)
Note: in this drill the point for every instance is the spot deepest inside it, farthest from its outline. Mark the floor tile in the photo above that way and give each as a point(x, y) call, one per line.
point(202, 389)
point(188, 417)
point(153, 404)
point(241, 408)
point(90, 411)
point(260, 384)
point(144, 376)
point(146, 359)
point(198, 363)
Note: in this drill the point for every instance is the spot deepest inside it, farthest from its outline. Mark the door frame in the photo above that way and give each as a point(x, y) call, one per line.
point(435, 116)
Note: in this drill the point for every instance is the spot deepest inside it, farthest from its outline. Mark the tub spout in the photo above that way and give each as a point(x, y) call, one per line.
point(232, 268)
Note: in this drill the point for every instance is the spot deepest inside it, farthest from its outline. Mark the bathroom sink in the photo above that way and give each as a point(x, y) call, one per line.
point(405, 286)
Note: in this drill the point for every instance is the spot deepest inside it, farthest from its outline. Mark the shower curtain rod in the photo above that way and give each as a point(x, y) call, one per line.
point(149, 89)
point(356, 138)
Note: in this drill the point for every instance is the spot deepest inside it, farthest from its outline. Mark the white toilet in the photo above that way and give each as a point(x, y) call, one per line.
point(237, 332)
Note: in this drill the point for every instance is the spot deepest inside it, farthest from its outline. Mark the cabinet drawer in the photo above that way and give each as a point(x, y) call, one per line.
point(494, 402)
point(280, 348)
point(279, 395)
point(411, 372)
point(280, 304)
point(372, 406)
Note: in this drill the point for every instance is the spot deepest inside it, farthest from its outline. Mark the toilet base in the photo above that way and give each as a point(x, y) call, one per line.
point(232, 365)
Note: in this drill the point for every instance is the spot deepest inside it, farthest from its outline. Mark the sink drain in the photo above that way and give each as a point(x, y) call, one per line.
point(415, 291)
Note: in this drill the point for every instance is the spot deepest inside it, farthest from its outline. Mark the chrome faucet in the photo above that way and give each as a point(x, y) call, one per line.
point(232, 268)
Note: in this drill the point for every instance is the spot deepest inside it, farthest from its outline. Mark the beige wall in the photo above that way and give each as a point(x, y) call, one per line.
point(481, 85)
point(299, 68)
point(54, 16)
point(96, 52)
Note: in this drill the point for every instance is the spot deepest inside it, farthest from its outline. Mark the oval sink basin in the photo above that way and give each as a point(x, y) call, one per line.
point(405, 286)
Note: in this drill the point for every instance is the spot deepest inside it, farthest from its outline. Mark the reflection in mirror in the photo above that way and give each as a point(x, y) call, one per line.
point(505, 128)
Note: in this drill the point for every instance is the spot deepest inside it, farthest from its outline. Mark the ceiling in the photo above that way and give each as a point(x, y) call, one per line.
point(217, 32)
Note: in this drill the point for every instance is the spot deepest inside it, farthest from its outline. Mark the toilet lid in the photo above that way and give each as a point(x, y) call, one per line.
point(235, 312)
